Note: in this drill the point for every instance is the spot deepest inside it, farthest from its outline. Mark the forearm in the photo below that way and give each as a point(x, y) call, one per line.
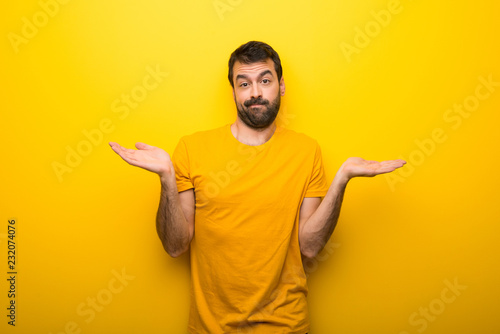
point(317, 229)
point(171, 224)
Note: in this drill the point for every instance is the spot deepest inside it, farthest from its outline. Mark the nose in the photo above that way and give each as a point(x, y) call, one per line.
point(256, 91)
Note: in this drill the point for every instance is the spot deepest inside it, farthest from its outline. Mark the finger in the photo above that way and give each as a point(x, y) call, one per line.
point(396, 163)
point(388, 167)
point(125, 153)
point(115, 147)
point(384, 170)
point(129, 157)
point(113, 144)
point(379, 171)
point(143, 146)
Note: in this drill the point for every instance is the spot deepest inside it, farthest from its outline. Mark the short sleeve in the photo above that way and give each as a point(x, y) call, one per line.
point(317, 186)
point(180, 160)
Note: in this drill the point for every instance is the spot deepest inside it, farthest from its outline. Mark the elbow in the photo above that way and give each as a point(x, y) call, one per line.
point(310, 246)
point(175, 251)
point(175, 254)
point(309, 252)
point(309, 255)
point(175, 247)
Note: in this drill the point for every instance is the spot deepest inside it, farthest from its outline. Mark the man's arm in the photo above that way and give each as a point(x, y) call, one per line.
point(318, 219)
point(175, 216)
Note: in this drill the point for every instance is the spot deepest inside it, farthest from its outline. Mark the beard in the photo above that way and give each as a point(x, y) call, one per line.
point(259, 117)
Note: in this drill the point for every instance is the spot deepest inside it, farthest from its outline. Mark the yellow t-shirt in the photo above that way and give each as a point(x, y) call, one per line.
point(246, 267)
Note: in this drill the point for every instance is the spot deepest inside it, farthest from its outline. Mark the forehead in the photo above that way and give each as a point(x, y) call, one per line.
point(253, 68)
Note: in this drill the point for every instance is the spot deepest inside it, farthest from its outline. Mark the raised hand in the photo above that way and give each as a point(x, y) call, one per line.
point(151, 158)
point(354, 167)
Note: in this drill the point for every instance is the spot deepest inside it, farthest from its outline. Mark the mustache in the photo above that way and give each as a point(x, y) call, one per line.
point(258, 100)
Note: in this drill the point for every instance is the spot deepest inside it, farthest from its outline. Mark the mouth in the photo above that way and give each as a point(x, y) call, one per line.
point(255, 103)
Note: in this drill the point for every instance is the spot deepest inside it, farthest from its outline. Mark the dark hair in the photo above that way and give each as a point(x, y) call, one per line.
point(254, 52)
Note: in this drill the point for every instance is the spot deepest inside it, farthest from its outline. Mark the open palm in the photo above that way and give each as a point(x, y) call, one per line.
point(151, 158)
point(354, 167)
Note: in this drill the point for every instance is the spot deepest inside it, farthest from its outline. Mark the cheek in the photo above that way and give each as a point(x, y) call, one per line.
point(239, 98)
point(273, 93)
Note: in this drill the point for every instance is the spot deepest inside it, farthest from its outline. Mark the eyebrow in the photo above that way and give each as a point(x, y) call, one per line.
point(244, 76)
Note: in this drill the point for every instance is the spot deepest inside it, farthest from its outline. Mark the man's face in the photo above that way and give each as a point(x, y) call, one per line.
point(257, 93)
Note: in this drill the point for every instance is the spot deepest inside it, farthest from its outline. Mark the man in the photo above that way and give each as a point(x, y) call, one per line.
point(246, 199)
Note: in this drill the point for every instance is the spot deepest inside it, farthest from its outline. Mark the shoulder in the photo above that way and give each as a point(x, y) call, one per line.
point(206, 136)
point(297, 139)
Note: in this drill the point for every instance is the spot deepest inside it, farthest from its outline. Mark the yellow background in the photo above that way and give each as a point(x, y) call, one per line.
point(398, 240)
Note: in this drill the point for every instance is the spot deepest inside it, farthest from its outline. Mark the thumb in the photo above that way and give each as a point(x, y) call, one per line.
point(143, 146)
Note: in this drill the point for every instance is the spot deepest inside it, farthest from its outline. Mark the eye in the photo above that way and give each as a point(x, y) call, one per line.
point(244, 84)
point(266, 81)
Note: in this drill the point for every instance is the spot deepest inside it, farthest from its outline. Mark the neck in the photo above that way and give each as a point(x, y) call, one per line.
point(250, 136)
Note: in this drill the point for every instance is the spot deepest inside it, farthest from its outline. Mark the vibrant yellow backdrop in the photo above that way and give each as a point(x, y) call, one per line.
point(415, 252)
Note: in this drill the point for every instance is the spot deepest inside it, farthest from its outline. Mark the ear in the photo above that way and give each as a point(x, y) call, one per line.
point(234, 96)
point(282, 86)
